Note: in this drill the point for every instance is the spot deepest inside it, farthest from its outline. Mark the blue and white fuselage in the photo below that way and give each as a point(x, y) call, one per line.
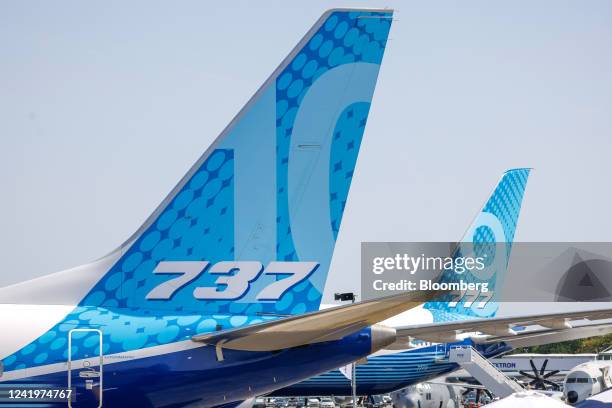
point(175, 373)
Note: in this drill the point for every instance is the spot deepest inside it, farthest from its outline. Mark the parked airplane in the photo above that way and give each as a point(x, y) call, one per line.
point(216, 297)
point(426, 334)
point(588, 379)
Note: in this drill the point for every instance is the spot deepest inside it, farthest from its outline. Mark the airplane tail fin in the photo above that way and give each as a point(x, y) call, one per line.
point(251, 228)
point(490, 237)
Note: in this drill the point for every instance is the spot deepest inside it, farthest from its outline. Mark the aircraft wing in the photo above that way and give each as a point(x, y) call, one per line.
point(317, 326)
point(530, 338)
point(561, 325)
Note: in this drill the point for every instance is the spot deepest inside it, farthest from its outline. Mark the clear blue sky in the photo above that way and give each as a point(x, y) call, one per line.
point(105, 104)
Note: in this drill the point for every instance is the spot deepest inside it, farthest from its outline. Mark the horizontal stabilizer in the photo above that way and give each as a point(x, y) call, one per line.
point(501, 329)
point(315, 327)
point(531, 338)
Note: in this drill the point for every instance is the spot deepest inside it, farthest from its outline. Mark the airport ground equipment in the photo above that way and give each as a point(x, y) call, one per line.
point(482, 370)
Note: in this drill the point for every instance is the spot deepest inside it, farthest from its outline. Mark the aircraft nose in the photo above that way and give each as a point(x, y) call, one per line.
point(382, 336)
point(572, 397)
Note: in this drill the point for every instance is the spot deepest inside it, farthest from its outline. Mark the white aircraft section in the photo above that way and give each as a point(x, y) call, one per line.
point(598, 401)
point(589, 379)
point(26, 322)
point(528, 399)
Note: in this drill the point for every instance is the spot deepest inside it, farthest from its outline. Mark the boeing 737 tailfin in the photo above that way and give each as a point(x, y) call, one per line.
point(489, 238)
point(248, 233)
point(251, 228)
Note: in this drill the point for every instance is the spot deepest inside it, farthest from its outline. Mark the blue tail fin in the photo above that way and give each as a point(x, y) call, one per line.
point(490, 235)
point(252, 227)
